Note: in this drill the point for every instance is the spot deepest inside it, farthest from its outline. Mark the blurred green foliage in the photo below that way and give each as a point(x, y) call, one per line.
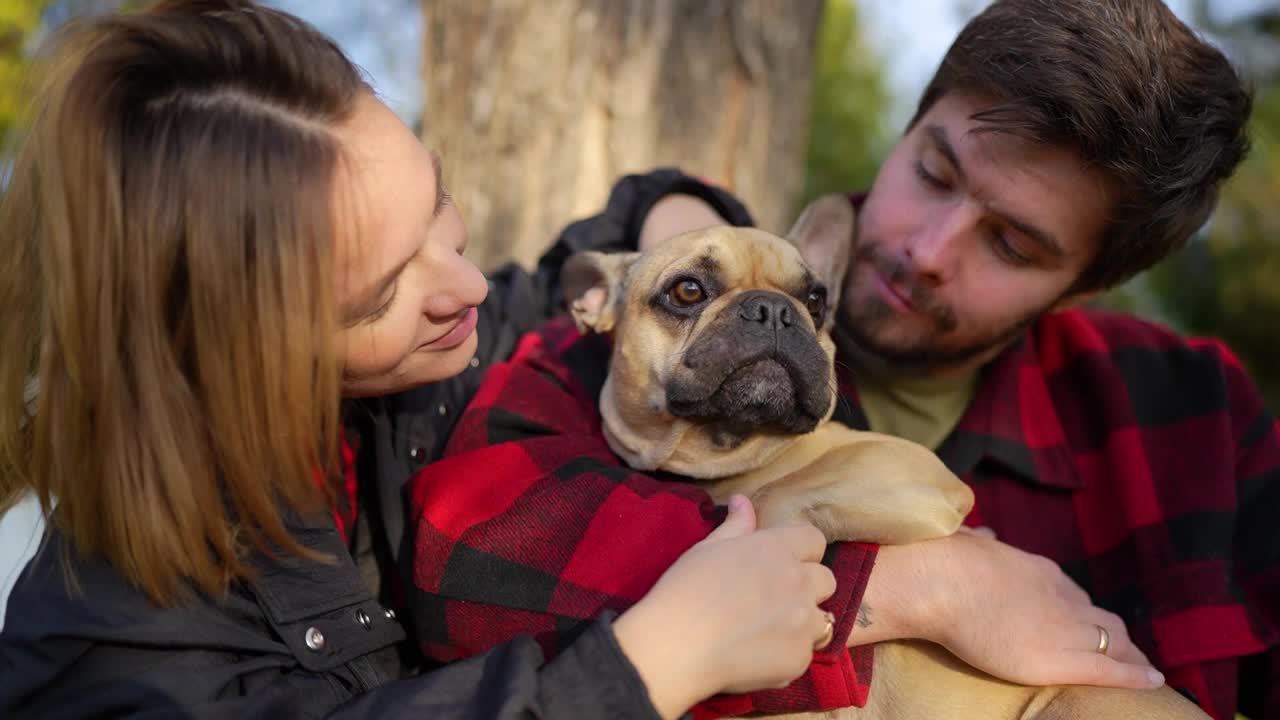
point(847, 134)
point(19, 20)
point(1226, 283)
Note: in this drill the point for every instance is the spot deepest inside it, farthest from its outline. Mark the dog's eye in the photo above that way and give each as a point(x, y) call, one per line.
point(686, 293)
point(816, 304)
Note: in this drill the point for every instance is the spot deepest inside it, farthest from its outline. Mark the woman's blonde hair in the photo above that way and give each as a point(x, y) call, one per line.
point(168, 378)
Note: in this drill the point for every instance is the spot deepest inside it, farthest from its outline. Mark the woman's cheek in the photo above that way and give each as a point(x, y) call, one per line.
point(379, 348)
point(399, 336)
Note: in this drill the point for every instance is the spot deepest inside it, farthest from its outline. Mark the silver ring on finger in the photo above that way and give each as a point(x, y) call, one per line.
point(1104, 640)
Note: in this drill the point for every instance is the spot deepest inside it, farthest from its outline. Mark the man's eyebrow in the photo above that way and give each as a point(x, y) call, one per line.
point(440, 193)
point(940, 142)
point(1043, 238)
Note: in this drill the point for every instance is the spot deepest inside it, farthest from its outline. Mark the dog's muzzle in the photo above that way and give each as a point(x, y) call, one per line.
point(757, 366)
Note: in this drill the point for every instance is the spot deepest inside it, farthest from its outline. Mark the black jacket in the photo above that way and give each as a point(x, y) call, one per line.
point(308, 639)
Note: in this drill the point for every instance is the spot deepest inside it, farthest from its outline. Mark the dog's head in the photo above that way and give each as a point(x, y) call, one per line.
point(722, 348)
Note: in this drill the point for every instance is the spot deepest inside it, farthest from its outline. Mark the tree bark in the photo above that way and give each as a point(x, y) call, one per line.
point(538, 106)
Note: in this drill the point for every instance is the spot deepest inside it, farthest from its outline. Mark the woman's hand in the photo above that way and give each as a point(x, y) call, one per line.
point(674, 215)
point(737, 612)
point(1007, 612)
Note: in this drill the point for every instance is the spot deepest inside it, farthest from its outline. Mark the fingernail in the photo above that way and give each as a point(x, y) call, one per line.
point(737, 503)
point(1156, 677)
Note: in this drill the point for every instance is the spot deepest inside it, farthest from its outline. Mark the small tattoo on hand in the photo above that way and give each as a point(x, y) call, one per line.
point(864, 616)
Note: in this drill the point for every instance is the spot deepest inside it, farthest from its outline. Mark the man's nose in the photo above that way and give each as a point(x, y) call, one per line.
point(934, 249)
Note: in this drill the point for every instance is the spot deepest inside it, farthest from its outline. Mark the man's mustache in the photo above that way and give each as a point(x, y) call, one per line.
point(898, 272)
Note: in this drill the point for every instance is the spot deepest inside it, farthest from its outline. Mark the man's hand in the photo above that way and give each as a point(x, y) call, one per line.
point(674, 215)
point(1009, 613)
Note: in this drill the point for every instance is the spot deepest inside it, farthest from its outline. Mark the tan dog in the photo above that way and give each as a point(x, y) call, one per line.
point(723, 371)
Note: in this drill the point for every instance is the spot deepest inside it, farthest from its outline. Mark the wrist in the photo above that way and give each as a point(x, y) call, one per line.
point(899, 602)
point(664, 660)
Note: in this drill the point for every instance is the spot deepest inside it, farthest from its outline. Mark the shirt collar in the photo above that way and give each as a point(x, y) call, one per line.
point(1012, 421)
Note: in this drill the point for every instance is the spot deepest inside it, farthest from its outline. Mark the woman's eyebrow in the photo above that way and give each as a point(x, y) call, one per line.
point(440, 193)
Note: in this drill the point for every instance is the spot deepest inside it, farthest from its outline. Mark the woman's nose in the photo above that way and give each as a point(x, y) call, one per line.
point(459, 285)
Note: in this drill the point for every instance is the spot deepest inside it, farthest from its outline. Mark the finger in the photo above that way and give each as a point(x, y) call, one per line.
point(821, 580)
point(1126, 652)
point(1120, 645)
point(804, 542)
point(826, 629)
point(1092, 668)
point(741, 520)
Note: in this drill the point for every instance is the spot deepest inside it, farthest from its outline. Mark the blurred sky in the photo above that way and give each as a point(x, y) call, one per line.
point(384, 37)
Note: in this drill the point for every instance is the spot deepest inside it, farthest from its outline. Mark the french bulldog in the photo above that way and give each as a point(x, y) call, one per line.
point(722, 370)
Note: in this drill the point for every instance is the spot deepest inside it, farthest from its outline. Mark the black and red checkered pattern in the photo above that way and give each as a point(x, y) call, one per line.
point(1148, 467)
point(1145, 464)
point(531, 525)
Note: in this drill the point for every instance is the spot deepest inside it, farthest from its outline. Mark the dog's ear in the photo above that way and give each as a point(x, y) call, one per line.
point(824, 235)
point(592, 283)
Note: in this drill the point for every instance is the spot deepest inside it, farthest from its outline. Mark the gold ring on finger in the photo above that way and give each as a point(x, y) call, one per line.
point(828, 632)
point(1104, 639)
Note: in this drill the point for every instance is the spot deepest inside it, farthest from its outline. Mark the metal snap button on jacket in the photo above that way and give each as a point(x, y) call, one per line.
point(315, 639)
point(362, 617)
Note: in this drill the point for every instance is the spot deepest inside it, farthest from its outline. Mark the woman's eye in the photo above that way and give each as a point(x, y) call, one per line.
point(386, 306)
point(686, 293)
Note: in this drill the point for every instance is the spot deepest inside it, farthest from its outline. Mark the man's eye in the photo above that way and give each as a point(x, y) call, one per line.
point(686, 293)
point(1007, 251)
point(930, 179)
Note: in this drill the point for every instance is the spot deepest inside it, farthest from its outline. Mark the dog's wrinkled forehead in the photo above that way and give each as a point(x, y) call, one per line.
point(730, 258)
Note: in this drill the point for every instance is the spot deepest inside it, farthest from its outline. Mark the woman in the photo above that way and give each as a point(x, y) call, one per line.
point(214, 234)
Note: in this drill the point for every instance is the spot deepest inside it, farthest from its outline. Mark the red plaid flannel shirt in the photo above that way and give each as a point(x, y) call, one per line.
point(1145, 464)
point(531, 525)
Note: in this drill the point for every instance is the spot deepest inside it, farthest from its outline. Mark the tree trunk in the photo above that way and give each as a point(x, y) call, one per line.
point(538, 106)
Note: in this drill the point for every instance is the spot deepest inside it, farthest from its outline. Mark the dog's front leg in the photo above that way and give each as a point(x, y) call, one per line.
point(875, 489)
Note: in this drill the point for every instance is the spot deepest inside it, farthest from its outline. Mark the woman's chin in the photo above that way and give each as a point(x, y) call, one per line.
point(435, 365)
point(420, 367)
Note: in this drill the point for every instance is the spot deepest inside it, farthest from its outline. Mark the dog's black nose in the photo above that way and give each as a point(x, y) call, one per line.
point(767, 308)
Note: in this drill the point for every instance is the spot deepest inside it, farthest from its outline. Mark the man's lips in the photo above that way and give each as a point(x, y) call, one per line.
point(455, 335)
point(898, 300)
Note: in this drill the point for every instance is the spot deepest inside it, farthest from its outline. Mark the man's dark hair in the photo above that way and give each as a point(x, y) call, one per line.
point(1128, 88)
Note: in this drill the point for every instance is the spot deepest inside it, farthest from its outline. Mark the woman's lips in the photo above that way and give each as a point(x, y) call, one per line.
point(457, 334)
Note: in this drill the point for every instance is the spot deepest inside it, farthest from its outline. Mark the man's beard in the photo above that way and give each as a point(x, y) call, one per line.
point(860, 322)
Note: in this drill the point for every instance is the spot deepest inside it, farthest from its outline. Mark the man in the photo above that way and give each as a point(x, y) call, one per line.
point(1062, 147)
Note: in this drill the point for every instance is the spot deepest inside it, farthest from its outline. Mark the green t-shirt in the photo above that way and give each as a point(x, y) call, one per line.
point(923, 409)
